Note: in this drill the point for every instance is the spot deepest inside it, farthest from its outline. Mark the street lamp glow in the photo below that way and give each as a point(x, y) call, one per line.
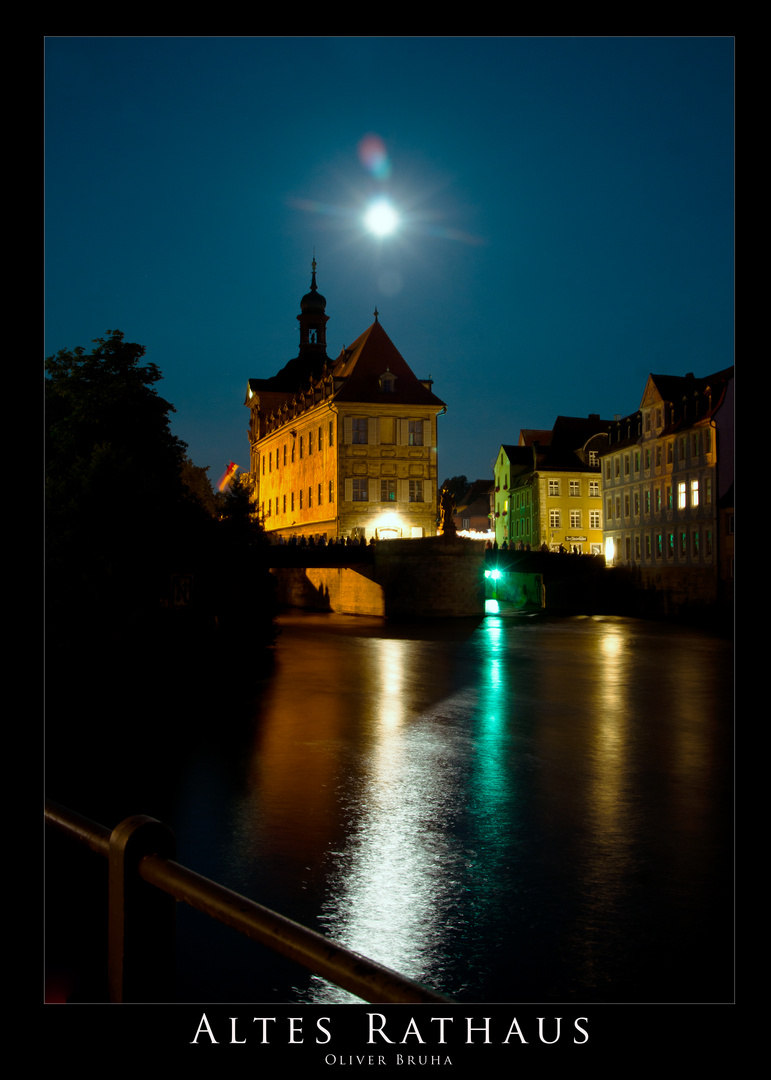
point(381, 218)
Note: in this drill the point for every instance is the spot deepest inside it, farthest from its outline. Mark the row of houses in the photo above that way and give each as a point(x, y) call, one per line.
point(651, 491)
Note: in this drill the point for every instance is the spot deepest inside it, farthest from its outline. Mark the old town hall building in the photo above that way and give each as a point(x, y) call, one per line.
point(347, 447)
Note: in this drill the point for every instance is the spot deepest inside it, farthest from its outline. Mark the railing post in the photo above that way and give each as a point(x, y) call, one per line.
point(141, 931)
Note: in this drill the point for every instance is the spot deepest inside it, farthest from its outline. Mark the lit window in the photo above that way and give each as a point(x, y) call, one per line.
point(681, 495)
point(694, 492)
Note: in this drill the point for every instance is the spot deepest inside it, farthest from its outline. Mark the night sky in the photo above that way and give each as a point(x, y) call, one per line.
point(566, 211)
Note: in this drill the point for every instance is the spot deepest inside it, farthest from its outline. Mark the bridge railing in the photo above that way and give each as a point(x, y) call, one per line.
point(144, 885)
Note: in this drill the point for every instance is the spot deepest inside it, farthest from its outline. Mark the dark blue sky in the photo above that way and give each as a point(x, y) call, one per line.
point(567, 211)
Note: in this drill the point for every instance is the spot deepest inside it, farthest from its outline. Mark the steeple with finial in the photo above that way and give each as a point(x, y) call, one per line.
point(312, 319)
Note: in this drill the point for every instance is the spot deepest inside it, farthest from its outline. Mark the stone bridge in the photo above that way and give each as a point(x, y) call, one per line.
point(431, 577)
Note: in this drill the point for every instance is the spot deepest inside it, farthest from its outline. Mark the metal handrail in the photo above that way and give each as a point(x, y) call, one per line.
point(358, 974)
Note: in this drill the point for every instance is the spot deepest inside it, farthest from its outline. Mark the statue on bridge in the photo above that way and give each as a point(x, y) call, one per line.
point(446, 513)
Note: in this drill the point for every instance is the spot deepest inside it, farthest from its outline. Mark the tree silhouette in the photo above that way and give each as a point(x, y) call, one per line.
point(129, 529)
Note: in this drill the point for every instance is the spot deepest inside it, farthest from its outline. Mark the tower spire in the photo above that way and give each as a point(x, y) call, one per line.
point(312, 318)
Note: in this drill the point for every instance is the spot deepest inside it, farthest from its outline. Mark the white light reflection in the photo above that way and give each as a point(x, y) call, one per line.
point(390, 885)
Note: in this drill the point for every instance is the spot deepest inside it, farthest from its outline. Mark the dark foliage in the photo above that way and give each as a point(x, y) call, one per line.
point(141, 565)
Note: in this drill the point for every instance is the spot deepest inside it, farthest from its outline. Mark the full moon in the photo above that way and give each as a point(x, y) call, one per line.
point(381, 218)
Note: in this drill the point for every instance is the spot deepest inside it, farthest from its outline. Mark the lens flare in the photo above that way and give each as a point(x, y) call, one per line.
point(227, 477)
point(373, 156)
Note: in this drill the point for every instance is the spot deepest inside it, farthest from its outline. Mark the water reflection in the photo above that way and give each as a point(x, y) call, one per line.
point(391, 884)
point(509, 810)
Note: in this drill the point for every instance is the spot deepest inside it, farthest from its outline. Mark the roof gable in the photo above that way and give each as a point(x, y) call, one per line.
point(361, 368)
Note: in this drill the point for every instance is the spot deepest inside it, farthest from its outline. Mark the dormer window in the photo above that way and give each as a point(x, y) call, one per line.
point(387, 382)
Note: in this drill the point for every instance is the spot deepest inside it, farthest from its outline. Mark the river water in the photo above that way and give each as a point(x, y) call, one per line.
point(511, 809)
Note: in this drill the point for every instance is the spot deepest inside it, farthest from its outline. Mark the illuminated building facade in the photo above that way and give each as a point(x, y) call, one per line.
point(548, 487)
point(668, 475)
point(344, 448)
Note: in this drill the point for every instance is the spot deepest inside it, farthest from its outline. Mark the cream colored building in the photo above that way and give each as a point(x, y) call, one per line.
point(347, 447)
point(667, 470)
point(548, 487)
